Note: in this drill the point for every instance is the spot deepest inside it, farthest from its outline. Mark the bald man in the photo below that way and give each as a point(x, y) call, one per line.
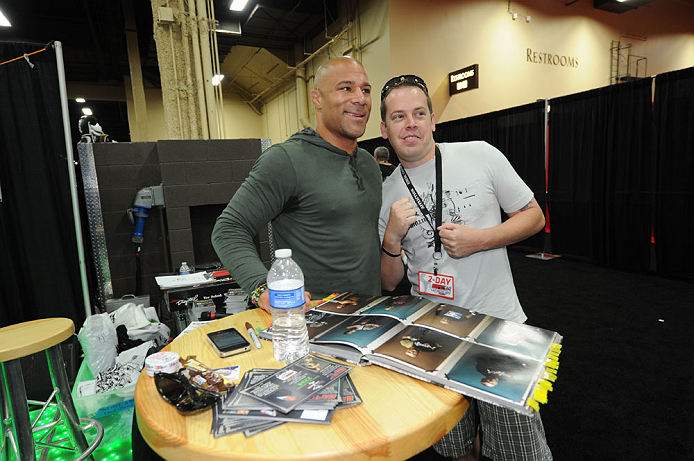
point(320, 191)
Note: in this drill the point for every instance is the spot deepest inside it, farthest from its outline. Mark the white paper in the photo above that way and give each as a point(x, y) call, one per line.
point(317, 415)
point(186, 280)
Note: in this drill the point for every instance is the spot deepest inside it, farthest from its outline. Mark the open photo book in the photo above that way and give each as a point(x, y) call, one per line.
point(498, 361)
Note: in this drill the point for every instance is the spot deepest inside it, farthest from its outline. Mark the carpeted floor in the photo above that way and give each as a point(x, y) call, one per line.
point(625, 387)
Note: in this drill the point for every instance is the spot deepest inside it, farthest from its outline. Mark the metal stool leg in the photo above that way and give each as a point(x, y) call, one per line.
point(56, 368)
point(16, 404)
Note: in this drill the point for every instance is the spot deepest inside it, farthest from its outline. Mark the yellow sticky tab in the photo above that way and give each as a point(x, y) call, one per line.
point(556, 346)
point(545, 384)
point(540, 394)
point(533, 404)
point(550, 377)
point(553, 355)
point(552, 364)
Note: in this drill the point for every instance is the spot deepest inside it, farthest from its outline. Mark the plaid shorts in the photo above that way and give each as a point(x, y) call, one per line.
point(508, 435)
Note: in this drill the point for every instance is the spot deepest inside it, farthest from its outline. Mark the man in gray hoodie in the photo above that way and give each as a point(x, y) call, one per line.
point(321, 192)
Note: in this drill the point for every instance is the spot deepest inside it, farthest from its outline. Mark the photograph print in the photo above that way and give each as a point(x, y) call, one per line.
point(398, 306)
point(360, 331)
point(421, 347)
point(523, 339)
point(455, 320)
point(506, 375)
point(317, 322)
point(346, 304)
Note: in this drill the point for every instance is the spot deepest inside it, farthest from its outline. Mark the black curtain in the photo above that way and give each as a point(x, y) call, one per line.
point(599, 174)
point(38, 247)
point(674, 183)
point(518, 133)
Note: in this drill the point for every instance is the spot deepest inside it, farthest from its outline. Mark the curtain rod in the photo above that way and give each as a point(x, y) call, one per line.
point(24, 56)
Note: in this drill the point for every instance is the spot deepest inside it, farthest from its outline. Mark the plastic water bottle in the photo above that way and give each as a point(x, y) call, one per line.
point(285, 282)
point(184, 268)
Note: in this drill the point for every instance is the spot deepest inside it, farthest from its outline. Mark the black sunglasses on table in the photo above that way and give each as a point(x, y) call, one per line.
point(399, 80)
point(177, 390)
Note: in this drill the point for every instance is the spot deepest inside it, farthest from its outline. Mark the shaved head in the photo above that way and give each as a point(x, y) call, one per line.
point(325, 72)
point(342, 98)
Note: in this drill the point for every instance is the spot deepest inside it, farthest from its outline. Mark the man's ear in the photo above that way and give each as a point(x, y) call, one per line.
point(383, 130)
point(316, 99)
point(433, 122)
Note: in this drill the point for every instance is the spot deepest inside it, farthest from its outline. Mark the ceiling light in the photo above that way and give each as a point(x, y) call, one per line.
point(80, 100)
point(217, 79)
point(86, 111)
point(3, 21)
point(621, 1)
point(238, 5)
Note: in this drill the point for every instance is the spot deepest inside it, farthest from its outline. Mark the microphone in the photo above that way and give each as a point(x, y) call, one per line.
point(212, 315)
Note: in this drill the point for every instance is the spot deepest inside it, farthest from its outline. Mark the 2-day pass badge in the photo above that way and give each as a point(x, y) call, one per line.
point(437, 285)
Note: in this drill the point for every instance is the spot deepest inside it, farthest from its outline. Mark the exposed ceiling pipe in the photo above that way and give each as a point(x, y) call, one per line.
point(292, 70)
point(301, 101)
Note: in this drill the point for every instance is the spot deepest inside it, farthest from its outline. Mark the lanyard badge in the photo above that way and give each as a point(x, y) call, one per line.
point(435, 223)
point(434, 284)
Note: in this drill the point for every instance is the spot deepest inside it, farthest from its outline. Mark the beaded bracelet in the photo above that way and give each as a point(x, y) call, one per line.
point(255, 296)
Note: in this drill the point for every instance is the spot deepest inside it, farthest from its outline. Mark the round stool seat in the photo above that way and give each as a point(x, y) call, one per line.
point(28, 338)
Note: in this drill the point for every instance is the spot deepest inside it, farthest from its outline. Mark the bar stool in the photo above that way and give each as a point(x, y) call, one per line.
point(21, 340)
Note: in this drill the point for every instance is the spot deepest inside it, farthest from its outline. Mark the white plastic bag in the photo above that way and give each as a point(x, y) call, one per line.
point(142, 323)
point(99, 340)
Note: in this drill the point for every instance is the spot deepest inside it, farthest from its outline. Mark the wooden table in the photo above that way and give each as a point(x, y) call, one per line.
point(399, 417)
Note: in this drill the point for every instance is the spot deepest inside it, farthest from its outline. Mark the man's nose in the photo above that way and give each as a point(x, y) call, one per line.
point(360, 97)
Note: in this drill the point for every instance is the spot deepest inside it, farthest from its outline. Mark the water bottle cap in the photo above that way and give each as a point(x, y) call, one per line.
point(283, 253)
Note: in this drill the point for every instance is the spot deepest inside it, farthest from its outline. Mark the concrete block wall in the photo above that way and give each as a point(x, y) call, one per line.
point(199, 175)
point(202, 174)
point(122, 169)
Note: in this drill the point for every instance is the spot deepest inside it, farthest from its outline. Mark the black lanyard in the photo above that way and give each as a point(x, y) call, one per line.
point(436, 223)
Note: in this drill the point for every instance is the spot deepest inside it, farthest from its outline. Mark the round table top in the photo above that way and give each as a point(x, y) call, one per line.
point(399, 417)
point(22, 339)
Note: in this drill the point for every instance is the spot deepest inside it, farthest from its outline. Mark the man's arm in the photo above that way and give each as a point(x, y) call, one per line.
point(402, 216)
point(260, 198)
point(460, 241)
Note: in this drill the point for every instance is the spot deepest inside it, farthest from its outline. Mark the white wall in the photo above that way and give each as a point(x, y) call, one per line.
point(431, 39)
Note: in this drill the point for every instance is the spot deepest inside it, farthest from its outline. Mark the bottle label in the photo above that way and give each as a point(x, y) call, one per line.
point(287, 299)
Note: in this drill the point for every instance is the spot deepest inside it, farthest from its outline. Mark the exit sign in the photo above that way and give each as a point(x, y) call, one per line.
point(463, 79)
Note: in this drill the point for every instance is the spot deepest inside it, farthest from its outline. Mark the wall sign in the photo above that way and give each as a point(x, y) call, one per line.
point(538, 57)
point(463, 79)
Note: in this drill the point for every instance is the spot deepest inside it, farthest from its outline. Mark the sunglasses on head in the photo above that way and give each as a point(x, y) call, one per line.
point(397, 81)
point(177, 390)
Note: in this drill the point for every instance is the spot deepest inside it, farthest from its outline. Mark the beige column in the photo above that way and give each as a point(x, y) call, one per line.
point(183, 32)
point(137, 109)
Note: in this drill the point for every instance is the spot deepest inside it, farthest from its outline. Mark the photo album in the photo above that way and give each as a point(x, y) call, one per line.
point(498, 361)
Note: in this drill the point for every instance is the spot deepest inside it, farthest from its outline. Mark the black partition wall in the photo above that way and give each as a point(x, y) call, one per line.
point(599, 174)
point(674, 183)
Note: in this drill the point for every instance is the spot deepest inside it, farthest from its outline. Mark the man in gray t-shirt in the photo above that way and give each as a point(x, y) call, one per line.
point(468, 267)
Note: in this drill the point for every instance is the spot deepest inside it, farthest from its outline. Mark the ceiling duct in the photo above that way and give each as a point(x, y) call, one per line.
point(614, 6)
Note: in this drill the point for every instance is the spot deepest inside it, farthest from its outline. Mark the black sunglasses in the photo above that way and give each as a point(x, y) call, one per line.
point(177, 390)
point(397, 81)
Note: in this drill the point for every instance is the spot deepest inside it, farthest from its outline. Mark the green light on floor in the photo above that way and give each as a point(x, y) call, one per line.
point(119, 449)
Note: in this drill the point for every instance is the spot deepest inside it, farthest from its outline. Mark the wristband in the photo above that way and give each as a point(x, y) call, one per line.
point(255, 296)
point(392, 255)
